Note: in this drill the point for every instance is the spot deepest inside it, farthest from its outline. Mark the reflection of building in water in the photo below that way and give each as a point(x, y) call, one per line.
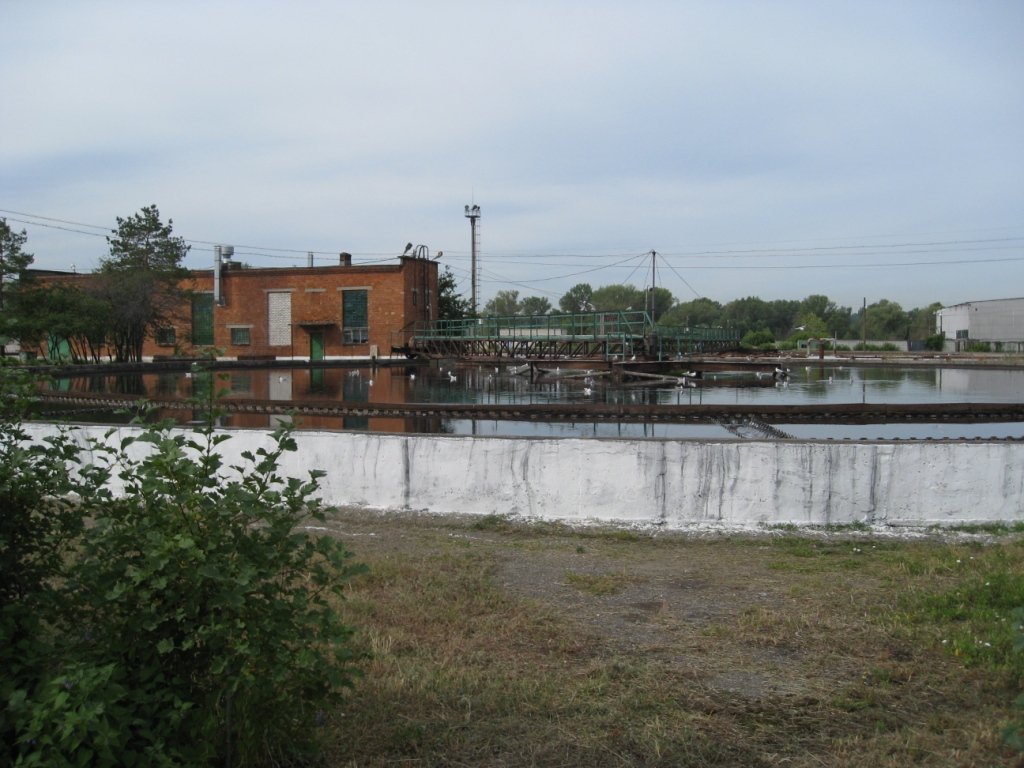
point(327, 387)
point(996, 325)
point(968, 383)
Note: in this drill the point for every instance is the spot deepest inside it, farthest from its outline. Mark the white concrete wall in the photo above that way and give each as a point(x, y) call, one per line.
point(668, 482)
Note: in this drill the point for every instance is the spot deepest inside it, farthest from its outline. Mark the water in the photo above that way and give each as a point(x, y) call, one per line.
point(490, 385)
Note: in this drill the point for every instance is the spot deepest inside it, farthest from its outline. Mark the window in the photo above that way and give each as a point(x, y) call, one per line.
point(354, 316)
point(240, 337)
point(241, 383)
point(165, 337)
point(962, 334)
point(202, 319)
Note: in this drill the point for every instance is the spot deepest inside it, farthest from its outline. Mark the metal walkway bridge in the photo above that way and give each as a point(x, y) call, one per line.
point(581, 335)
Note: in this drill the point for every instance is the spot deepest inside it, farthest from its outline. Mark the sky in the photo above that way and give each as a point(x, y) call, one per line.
point(863, 150)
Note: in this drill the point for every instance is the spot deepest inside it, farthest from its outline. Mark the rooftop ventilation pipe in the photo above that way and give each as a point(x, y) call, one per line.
point(220, 254)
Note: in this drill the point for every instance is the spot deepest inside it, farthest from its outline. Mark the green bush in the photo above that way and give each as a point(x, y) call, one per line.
point(757, 339)
point(197, 623)
point(884, 347)
point(935, 343)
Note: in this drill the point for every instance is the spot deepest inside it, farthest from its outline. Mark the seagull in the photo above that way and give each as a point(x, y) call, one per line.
point(588, 391)
point(412, 377)
point(451, 377)
point(370, 382)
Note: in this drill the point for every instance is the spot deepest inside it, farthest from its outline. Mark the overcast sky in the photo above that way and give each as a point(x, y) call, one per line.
point(778, 149)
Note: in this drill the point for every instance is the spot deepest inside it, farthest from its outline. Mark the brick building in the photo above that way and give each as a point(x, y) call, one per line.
point(313, 313)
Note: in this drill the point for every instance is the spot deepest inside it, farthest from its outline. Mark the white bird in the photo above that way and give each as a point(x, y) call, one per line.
point(587, 391)
point(370, 382)
point(451, 378)
point(412, 377)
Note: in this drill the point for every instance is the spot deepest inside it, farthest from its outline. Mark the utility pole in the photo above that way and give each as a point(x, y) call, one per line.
point(473, 213)
point(864, 323)
point(654, 277)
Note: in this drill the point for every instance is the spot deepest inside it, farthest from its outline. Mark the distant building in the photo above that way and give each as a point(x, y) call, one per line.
point(996, 325)
point(315, 313)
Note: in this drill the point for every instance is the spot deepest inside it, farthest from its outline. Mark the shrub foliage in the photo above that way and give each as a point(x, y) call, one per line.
point(185, 620)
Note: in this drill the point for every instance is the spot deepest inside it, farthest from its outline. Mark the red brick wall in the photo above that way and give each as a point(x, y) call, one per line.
point(398, 295)
point(316, 296)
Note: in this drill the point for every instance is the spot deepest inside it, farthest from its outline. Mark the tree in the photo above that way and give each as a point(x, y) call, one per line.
point(579, 298)
point(702, 311)
point(836, 318)
point(662, 303)
point(535, 305)
point(619, 298)
point(504, 304)
point(885, 320)
point(141, 275)
point(13, 263)
point(13, 260)
point(747, 314)
point(51, 314)
point(921, 321)
point(811, 327)
point(451, 305)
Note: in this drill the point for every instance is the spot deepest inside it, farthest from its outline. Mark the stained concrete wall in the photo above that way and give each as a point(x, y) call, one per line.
point(673, 483)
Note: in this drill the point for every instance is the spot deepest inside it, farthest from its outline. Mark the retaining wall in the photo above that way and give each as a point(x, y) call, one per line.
point(675, 483)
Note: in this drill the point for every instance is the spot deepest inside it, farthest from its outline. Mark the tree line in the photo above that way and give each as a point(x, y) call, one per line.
point(134, 292)
point(758, 320)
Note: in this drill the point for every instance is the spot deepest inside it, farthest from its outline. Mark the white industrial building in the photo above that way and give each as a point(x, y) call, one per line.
point(997, 323)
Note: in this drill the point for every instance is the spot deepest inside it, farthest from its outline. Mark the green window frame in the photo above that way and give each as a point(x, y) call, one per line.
point(202, 319)
point(355, 323)
point(166, 337)
point(241, 337)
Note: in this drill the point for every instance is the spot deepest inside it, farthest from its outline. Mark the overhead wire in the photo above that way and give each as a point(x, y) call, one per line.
point(900, 248)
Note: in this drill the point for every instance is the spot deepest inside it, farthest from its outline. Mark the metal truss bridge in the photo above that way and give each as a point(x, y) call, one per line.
point(583, 335)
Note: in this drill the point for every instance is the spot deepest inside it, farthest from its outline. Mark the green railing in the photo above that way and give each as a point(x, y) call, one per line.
point(612, 332)
point(590, 325)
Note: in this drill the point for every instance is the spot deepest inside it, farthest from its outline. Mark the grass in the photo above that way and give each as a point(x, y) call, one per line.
point(495, 643)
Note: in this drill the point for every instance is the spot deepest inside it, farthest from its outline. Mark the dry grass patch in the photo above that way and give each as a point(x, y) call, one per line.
point(498, 644)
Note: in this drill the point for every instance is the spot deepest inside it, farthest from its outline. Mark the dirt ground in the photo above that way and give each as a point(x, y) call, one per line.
point(745, 622)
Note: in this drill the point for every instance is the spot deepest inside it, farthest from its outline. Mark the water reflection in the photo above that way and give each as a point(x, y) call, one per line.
point(482, 384)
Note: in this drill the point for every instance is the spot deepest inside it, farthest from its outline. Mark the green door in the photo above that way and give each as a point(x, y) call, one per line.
point(316, 345)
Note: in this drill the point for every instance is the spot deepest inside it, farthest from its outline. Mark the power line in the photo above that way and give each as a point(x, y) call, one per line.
point(862, 265)
point(817, 249)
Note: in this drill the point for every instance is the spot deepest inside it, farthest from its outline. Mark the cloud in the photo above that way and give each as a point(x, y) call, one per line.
point(591, 129)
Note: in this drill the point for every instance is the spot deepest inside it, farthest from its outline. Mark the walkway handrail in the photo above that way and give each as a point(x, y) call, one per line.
point(591, 325)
